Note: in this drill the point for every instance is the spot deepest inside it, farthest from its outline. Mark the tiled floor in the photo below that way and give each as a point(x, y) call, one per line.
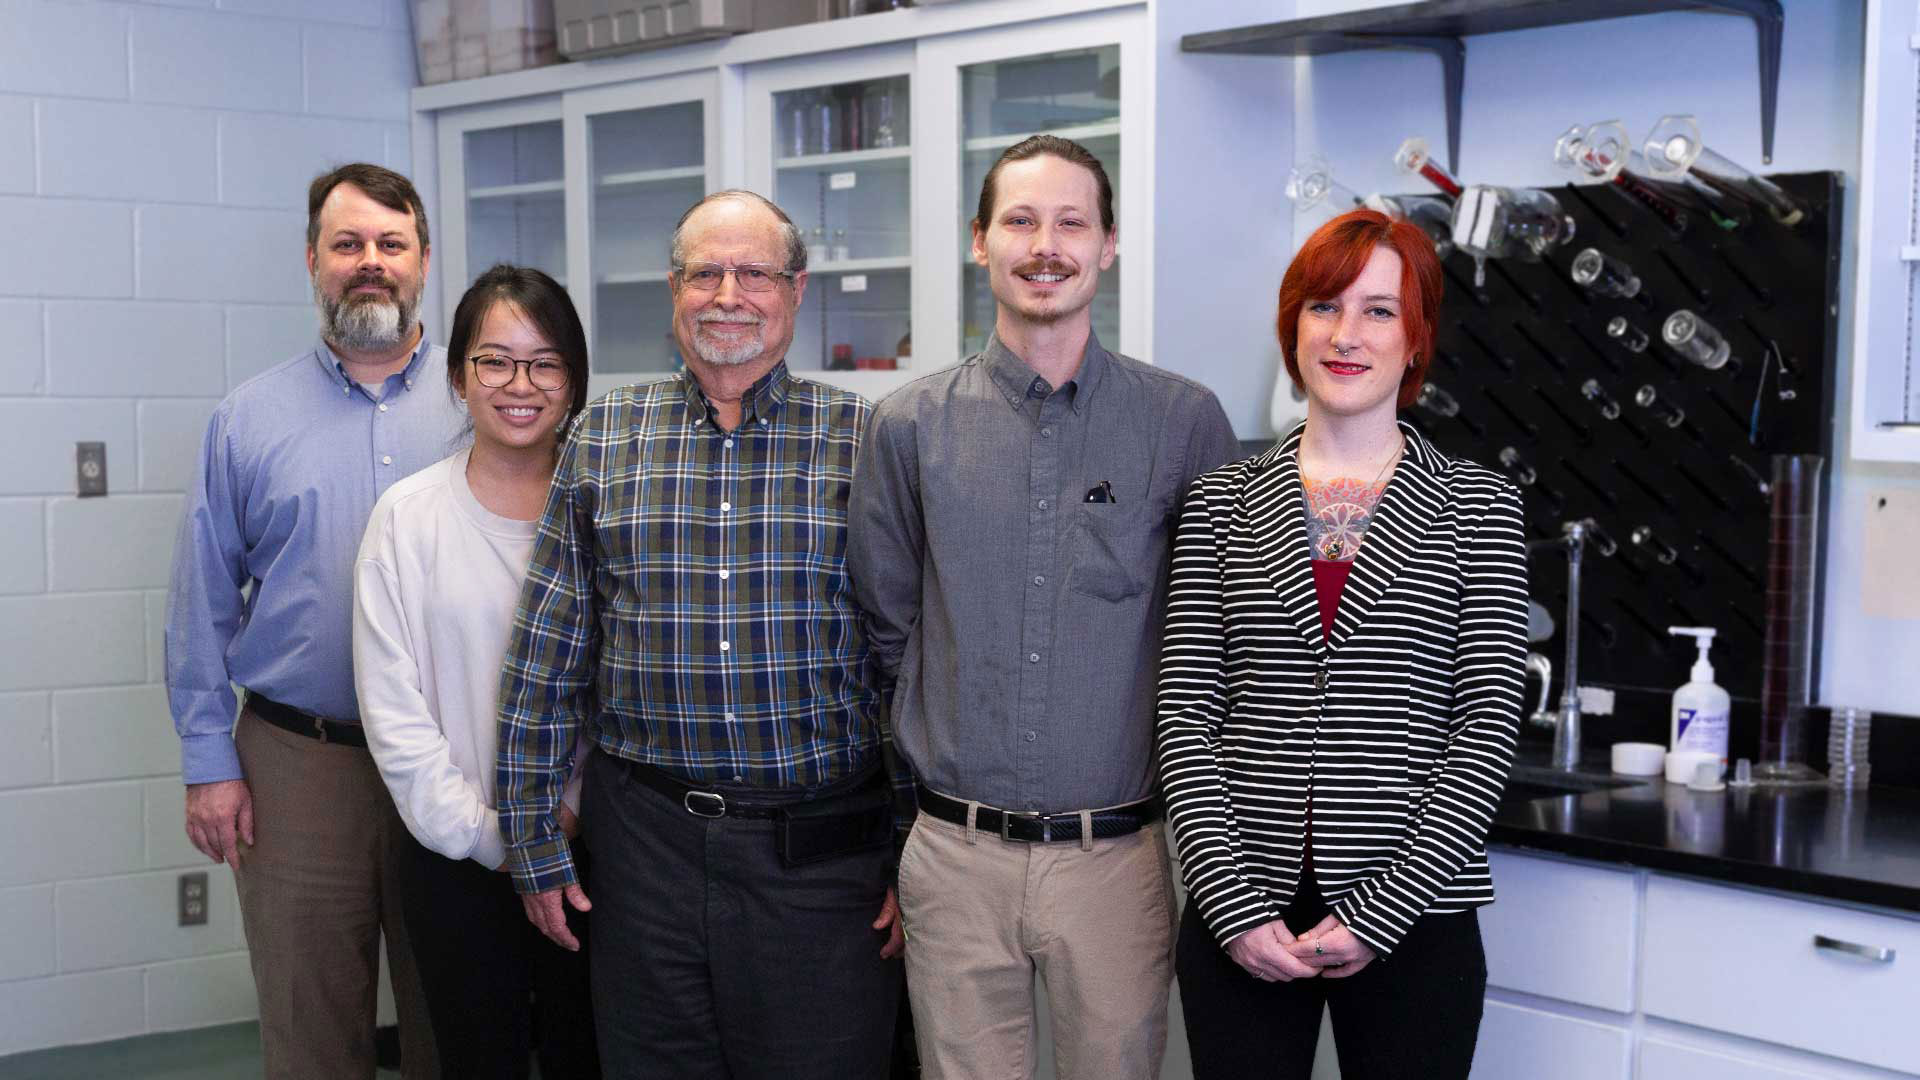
point(231, 1052)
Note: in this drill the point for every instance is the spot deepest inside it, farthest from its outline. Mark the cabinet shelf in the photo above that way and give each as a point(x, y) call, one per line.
point(1437, 26)
point(862, 266)
point(1105, 129)
point(889, 156)
point(634, 277)
point(653, 176)
point(516, 191)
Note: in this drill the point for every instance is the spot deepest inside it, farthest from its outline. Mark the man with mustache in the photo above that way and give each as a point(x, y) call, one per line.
point(688, 603)
point(261, 597)
point(1009, 540)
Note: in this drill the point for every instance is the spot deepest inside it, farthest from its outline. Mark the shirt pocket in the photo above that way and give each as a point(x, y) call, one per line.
point(1113, 553)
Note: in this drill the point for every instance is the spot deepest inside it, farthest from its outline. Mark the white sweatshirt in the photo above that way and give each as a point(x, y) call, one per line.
point(435, 586)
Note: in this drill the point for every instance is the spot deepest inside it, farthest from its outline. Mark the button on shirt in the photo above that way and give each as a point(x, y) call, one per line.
point(689, 590)
point(262, 586)
point(1020, 622)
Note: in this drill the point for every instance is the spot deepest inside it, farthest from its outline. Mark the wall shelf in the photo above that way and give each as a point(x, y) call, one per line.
point(1440, 27)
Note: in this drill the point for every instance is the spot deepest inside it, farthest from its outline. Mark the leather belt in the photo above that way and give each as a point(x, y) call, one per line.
point(1025, 828)
point(300, 722)
point(705, 802)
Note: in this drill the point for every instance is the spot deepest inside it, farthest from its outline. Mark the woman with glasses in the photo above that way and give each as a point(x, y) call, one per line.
point(1340, 696)
point(435, 589)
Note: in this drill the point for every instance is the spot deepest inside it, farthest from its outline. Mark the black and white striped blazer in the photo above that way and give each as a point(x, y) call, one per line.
point(1401, 725)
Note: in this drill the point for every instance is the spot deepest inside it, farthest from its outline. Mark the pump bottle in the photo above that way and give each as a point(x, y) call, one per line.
point(1701, 707)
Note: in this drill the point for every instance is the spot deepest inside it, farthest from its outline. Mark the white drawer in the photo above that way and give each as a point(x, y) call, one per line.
point(1745, 962)
point(1674, 1061)
point(1522, 1043)
point(1561, 930)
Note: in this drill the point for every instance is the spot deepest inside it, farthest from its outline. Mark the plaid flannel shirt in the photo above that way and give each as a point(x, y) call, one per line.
point(688, 598)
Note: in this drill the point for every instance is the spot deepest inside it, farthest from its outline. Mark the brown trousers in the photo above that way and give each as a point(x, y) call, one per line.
point(317, 888)
point(982, 915)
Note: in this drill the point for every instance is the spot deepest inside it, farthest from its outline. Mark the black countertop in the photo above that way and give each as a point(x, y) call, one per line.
point(1861, 847)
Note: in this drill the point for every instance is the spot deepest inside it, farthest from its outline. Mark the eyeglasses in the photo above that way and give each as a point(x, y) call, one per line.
point(495, 372)
point(750, 277)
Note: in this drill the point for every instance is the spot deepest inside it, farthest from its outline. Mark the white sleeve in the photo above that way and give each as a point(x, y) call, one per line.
point(440, 806)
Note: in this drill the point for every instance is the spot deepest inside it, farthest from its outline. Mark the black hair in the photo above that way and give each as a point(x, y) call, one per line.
point(384, 186)
point(543, 302)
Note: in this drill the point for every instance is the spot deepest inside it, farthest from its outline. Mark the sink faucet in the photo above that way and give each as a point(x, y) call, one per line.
point(1566, 720)
point(1541, 668)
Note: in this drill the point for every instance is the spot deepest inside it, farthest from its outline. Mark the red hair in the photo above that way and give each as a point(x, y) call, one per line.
point(1332, 259)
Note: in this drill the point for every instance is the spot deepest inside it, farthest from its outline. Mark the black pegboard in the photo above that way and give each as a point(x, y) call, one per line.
point(1515, 352)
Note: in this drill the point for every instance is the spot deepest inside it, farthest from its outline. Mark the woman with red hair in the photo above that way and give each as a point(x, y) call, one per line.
point(1340, 695)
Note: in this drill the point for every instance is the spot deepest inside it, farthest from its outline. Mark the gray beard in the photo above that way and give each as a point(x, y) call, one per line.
point(744, 352)
point(367, 325)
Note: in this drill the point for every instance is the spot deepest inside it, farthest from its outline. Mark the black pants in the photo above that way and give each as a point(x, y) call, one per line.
point(497, 991)
point(711, 959)
point(1413, 1015)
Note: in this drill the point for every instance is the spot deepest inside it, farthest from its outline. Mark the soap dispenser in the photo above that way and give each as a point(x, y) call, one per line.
point(1700, 708)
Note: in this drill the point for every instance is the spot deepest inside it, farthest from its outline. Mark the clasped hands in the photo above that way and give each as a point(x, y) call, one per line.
point(1272, 953)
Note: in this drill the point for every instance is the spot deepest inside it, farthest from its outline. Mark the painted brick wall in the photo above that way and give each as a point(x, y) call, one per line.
point(153, 167)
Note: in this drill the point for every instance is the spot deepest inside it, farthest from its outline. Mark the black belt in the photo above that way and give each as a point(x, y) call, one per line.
point(705, 802)
point(1041, 828)
point(305, 723)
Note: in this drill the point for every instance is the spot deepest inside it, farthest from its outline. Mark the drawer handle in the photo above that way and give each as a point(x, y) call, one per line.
point(1865, 952)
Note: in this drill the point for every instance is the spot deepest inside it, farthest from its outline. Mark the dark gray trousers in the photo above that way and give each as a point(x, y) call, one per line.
point(713, 961)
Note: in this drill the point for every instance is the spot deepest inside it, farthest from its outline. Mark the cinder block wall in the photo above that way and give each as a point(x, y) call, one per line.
point(153, 167)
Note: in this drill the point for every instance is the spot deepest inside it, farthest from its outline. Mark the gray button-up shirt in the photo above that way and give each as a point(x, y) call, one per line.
point(1020, 622)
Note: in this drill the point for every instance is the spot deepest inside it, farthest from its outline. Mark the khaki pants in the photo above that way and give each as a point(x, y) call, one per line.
point(982, 915)
point(317, 888)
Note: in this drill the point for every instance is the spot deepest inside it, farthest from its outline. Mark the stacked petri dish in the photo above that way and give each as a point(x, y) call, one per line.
point(1847, 764)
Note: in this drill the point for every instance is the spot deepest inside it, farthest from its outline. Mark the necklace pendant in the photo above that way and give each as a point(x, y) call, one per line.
point(1334, 548)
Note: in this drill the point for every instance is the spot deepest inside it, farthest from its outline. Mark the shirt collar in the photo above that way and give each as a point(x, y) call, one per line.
point(764, 398)
point(1016, 381)
point(335, 370)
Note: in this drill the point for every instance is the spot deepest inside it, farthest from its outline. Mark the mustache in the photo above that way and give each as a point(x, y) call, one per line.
point(1045, 266)
point(387, 283)
point(743, 317)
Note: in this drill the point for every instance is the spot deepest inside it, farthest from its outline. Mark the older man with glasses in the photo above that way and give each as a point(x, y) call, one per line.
point(688, 602)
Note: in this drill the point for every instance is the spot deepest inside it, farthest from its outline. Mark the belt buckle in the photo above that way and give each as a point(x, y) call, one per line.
point(1006, 827)
point(719, 804)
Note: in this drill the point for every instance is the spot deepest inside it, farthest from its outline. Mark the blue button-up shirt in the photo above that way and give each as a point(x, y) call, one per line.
point(262, 590)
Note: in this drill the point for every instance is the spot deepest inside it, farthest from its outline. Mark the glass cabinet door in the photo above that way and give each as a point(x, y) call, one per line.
point(1073, 94)
point(647, 166)
point(515, 198)
point(842, 169)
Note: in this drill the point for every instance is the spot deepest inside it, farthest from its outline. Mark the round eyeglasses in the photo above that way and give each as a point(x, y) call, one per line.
point(750, 277)
point(495, 372)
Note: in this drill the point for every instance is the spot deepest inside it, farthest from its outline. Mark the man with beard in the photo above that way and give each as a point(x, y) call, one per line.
point(688, 602)
point(1009, 542)
point(262, 596)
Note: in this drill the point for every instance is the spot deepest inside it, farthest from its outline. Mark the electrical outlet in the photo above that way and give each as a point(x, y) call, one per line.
point(193, 898)
point(90, 467)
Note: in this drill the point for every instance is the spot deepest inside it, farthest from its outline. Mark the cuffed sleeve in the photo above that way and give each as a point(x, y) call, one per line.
point(205, 608)
point(886, 543)
point(443, 809)
point(1488, 673)
point(1193, 707)
point(546, 683)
